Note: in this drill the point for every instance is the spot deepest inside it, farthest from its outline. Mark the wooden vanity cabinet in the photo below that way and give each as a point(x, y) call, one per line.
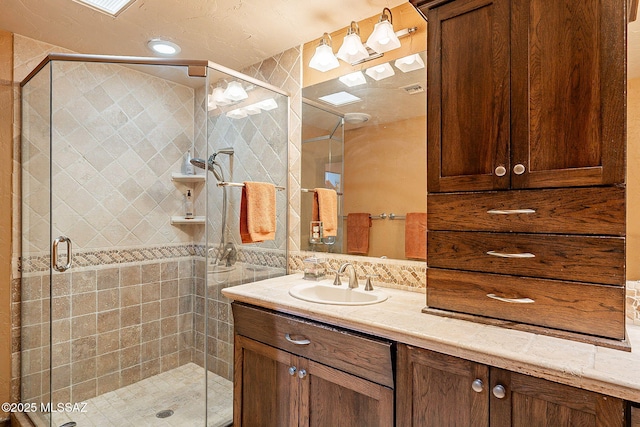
point(526, 140)
point(525, 94)
point(293, 372)
point(435, 390)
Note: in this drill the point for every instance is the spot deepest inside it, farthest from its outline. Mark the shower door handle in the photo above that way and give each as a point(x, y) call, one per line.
point(54, 253)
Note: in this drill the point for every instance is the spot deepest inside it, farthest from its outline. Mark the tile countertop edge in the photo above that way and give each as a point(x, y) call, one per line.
point(576, 364)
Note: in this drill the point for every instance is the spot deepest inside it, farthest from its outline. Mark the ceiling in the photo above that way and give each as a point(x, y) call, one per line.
point(233, 33)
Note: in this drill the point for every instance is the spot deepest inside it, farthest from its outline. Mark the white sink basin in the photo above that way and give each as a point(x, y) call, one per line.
point(327, 293)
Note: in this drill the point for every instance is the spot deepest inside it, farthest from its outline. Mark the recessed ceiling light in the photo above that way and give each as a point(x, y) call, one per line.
point(112, 7)
point(163, 47)
point(339, 98)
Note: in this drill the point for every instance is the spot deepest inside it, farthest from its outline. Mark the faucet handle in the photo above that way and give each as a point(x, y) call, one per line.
point(368, 286)
point(336, 280)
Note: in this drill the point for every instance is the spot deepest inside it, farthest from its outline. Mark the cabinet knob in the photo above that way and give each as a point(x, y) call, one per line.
point(292, 370)
point(500, 171)
point(477, 385)
point(302, 373)
point(519, 169)
point(499, 391)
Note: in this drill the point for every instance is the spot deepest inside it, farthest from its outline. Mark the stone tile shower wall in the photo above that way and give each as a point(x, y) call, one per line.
point(260, 144)
point(112, 326)
point(125, 312)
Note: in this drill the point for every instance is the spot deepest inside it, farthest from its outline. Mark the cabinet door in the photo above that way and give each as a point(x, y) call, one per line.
point(264, 391)
point(468, 96)
point(435, 390)
point(525, 401)
point(568, 92)
point(332, 398)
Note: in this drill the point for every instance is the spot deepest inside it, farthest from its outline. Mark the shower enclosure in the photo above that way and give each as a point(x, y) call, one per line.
point(123, 321)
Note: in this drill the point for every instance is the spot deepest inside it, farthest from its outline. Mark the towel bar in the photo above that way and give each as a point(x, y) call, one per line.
point(311, 190)
point(239, 184)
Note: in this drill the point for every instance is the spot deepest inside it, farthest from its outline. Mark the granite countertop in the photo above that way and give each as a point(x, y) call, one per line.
point(599, 369)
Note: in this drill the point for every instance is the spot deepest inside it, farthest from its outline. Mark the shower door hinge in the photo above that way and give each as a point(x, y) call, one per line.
point(197, 71)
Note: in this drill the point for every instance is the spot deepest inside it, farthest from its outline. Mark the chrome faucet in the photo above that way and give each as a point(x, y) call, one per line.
point(353, 279)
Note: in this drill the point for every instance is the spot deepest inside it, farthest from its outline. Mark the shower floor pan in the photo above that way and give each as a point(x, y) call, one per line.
point(179, 390)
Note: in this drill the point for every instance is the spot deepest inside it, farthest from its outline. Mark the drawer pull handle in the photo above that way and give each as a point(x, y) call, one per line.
point(512, 300)
point(504, 255)
point(296, 342)
point(292, 370)
point(510, 211)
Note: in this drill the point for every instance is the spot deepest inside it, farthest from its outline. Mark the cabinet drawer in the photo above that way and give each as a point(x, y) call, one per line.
point(350, 352)
point(592, 210)
point(576, 258)
point(584, 308)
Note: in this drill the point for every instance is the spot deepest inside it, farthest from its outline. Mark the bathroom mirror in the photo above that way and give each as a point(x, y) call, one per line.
point(370, 139)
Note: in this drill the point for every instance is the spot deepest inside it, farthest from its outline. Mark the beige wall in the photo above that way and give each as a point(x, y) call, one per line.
point(6, 165)
point(633, 179)
point(391, 181)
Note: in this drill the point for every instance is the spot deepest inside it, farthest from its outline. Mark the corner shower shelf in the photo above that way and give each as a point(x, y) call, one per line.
point(181, 220)
point(180, 177)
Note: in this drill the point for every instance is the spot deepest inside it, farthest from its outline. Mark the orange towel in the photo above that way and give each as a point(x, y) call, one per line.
point(415, 236)
point(325, 209)
point(258, 212)
point(358, 225)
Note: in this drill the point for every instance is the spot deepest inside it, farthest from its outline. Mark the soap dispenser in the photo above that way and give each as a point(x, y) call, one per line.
point(188, 205)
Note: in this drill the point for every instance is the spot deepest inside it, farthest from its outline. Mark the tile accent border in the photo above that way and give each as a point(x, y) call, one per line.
point(398, 274)
point(40, 263)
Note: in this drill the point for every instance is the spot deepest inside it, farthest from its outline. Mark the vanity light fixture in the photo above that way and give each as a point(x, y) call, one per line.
point(381, 71)
point(383, 38)
point(353, 79)
point(235, 92)
point(163, 47)
point(409, 63)
point(324, 59)
point(219, 98)
point(352, 49)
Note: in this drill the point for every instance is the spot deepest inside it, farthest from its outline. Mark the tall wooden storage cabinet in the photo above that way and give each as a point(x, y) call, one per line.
point(526, 163)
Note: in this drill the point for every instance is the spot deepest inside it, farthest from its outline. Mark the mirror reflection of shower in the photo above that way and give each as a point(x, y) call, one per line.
point(227, 254)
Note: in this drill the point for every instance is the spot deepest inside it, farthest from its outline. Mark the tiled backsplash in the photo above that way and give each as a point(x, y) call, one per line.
point(399, 274)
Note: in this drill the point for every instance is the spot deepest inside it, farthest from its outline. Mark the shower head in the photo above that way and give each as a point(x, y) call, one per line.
point(200, 163)
point(209, 165)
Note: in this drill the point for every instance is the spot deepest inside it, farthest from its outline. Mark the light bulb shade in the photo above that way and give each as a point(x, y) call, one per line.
point(211, 104)
point(379, 72)
point(409, 63)
point(238, 113)
point(268, 104)
point(353, 79)
point(383, 38)
point(324, 59)
point(235, 92)
point(352, 49)
point(219, 98)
